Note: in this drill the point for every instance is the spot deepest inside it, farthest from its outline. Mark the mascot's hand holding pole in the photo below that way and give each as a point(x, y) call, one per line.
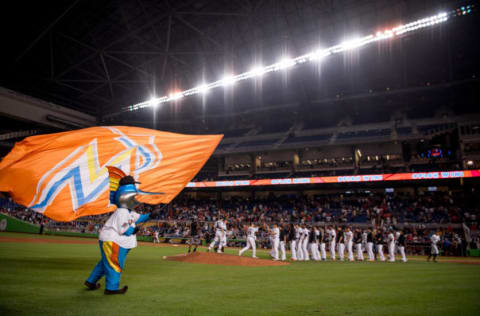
point(117, 236)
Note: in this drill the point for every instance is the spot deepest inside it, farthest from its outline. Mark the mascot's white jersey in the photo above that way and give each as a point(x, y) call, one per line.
point(116, 225)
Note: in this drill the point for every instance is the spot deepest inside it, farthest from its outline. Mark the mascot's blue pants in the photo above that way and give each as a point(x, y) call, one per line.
point(110, 266)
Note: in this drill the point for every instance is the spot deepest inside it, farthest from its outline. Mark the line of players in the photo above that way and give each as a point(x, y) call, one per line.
point(310, 242)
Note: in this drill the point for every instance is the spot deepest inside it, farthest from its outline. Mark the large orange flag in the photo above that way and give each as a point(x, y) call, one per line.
point(64, 176)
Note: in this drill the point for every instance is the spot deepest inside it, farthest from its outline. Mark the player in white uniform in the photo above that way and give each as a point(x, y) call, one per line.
point(370, 240)
point(332, 236)
point(397, 234)
point(155, 237)
point(349, 243)
point(224, 239)
point(251, 231)
point(306, 234)
point(434, 247)
point(321, 241)
point(299, 234)
point(220, 234)
point(391, 246)
point(379, 240)
point(275, 238)
point(314, 235)
point(340, 244)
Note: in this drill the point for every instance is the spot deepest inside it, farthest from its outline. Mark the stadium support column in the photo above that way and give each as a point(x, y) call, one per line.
point(253, 165)
point(356, 155)
point(296, 161)
point(257, 163)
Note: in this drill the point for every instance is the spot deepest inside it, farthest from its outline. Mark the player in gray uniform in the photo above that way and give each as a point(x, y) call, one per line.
point(434, 247)
point(251, 238)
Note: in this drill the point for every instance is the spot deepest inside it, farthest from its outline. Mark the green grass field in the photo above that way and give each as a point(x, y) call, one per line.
point(47, 279)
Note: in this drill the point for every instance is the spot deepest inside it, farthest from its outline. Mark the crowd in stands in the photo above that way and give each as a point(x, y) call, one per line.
point(374, 208)
point(416, 213)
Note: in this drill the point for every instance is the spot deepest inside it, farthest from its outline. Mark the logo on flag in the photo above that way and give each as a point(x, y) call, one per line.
point(65, 175)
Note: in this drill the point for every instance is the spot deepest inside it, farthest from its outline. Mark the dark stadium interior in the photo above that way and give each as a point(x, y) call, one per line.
point(410, 104)
point(415, 92)
point(329, 141)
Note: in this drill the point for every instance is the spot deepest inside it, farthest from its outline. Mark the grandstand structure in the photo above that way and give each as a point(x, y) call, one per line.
point(408, 103)
point(392, 146)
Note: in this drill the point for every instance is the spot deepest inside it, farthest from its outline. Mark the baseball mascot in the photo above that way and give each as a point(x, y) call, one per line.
point(118, 236)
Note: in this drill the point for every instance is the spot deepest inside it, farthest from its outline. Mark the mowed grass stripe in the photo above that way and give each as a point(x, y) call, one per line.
point(47, 279)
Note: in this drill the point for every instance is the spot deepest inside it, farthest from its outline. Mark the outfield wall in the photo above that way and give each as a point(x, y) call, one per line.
point(11, 224)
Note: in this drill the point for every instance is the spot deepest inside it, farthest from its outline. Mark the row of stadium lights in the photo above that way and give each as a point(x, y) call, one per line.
point(313, 56)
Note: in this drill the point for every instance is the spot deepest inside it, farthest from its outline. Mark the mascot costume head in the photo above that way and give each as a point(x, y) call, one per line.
point(123, 189)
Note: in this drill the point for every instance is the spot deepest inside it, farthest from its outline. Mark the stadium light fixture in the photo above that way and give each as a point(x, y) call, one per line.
point(203, 88)
point(154, 102)
point(286, 63)
point(257, 71)
point(227, 80)
point(176, 96)
point(319, 54)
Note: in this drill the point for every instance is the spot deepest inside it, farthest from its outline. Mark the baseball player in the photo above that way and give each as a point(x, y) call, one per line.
point(340, 244)
point(224, 238)
point(313, 243)
point(357, 239)
point(321, 240)
point(194, 238)
point(364, 240)
point(251, 231)
point(391, 246)
point(155, 237)
point(397, 235)
point(370, 237)
point(349, 243)
point(332, 236)
point(275, 238)
point(434, 248)
point(306, 234)
point(379, 244)
point(299, 236)
point(220, 233)
point(291, 237)
point(283, 242)
point(402, 243)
